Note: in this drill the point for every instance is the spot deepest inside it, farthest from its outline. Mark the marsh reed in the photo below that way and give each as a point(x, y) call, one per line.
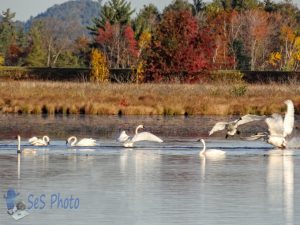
point(36, 97)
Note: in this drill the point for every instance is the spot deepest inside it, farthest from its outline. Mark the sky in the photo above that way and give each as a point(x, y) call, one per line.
point(26, 8)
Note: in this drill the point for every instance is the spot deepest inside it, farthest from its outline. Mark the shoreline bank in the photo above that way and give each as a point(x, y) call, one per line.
point(37, 97)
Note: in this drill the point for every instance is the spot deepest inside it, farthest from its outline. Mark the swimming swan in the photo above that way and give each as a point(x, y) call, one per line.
point(143, 136)
point(39, 141)
point(278, 127)
point(83, 142)
point(210, 152)
point(232, 127)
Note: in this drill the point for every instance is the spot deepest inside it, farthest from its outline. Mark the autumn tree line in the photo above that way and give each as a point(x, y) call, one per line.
point(183, 42)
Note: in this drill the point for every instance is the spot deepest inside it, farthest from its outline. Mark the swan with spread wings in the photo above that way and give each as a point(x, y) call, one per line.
point(279, 128)
point(232, 126)
point(142, 136)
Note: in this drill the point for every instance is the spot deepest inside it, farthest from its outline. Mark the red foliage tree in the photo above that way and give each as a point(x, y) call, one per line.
point(118, 44)
point(225, 27)
point(13, 54)
point(130, 41)
point(179, 49)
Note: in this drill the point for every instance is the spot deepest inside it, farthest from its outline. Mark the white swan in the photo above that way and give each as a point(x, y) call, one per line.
point(24, 151)
point(278, 127)
point(39, 141)
point(83, 142)
point(210, 152)
point(143, 136)
point(232, 127)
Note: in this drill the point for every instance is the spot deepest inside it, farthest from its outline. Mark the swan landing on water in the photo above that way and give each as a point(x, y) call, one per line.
point(232, 127)
point(143, 136)
point(210, 152)
point(278, 128)
point(39, 141)
point(85, 142)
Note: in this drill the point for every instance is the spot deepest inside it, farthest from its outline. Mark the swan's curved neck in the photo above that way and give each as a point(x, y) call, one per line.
point(204, 148)
point(137, 128)
point(74, 140)
point(46, 139)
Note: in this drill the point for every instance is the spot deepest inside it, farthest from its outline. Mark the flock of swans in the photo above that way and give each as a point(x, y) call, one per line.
point(278, 130)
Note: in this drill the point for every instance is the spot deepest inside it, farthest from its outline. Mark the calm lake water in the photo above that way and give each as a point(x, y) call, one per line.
point(150, 184)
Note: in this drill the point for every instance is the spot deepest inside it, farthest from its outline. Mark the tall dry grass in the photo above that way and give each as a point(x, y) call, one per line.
point(145, 99)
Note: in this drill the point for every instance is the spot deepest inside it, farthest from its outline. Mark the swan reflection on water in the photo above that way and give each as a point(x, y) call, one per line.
point(124, 159)
point(139, 160)
point(31, 153)
point(280, 182)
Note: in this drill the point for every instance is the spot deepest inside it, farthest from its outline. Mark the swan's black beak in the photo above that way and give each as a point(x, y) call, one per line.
point(48, 142)
point(238, 132)
point(199, 140)
point(66, 142)
point(226, 136)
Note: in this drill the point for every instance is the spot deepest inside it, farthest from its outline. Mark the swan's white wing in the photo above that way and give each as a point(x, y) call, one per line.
point(145, 136)
point(275, 125)
point(123, 137)
point(39, 142)
point(218, 126)
point(249, 118)
point(33, 139)
point(288, 122)
point(254, 137)
point(86, 142)
point(214, 152)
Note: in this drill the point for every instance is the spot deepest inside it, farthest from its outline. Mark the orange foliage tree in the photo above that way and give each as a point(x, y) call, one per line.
point(259, 28)
point(290, 50)
point(143, 43)
point(99, 70)
point(225, 27)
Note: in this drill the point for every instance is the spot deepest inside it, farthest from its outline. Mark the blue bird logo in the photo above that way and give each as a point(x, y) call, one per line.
point(11, 200)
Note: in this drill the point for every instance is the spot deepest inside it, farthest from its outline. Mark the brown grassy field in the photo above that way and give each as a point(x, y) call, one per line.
point(145, 99)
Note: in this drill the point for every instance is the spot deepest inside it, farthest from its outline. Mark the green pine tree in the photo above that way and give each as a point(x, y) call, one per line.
point(243, 60)
point(146, 19)
point(37, 56)
point(114, 11)
point(68, 59)
point(7, 31)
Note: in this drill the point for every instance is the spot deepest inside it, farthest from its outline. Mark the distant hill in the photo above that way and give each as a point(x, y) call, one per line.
point(79, 13)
